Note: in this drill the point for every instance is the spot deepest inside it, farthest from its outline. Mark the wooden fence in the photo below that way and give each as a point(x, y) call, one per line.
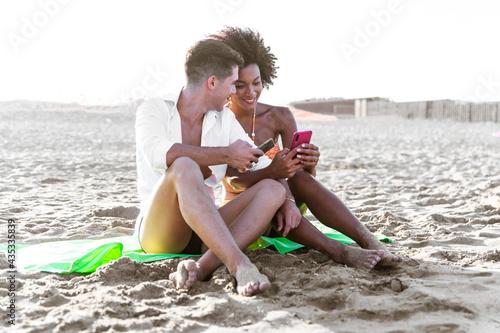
point(443, 109)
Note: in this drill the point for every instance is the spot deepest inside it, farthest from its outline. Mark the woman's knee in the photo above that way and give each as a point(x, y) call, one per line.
point(274, 189)
point(300, 179)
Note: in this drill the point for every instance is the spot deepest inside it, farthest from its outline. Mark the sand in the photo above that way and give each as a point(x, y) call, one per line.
point(432, 186)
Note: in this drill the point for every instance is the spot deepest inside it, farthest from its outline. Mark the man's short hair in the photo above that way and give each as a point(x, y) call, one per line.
point(210, 57)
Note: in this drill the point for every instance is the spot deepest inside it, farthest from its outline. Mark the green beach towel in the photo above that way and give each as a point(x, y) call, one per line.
point(84, 256)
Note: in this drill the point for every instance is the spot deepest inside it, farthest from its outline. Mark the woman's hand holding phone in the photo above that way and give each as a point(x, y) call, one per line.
point(284, 165)
point(306, 152)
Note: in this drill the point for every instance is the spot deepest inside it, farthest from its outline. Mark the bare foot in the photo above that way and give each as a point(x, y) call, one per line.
point(360, 258)
point(352, 256)
point(186, 275)
point(372, 243)
point(249, 280)
point(388, 259)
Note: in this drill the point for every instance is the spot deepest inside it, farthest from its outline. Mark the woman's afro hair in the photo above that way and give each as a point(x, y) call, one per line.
point(251, 46)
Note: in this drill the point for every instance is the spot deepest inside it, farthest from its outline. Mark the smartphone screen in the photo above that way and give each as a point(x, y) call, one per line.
point(267, 145)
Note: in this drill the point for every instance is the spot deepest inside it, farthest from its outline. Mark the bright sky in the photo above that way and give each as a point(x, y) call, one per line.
point(107, 51)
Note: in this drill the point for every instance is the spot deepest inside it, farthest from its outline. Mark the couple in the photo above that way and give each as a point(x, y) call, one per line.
point(188, 145)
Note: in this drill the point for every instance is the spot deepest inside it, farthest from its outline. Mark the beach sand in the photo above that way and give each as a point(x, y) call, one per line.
point(432, 186)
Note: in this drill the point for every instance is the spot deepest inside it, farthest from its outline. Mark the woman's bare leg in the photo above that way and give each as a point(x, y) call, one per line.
point(332, 212)
point(308, 235)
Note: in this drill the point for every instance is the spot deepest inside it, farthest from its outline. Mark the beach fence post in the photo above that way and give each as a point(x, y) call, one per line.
point(360, 108)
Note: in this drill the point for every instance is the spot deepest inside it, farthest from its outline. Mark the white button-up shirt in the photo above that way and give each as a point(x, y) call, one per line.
point(158, 128)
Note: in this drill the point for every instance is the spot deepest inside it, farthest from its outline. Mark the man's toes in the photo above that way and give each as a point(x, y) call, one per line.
point(189, 283)
point(253, 287)
point(246, 291)
point(186, 274)
point(264, 286)
point(176, 280)
point(387, 259)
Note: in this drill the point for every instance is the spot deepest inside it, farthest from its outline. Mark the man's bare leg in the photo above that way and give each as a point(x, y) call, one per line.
point(332, 212)
point(181, 204)
point(247, 216)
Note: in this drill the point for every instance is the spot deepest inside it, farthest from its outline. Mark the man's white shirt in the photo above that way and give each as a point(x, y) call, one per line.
point(158, 128)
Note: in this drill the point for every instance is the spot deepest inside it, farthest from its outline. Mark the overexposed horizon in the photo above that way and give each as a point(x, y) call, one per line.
point(95, 52)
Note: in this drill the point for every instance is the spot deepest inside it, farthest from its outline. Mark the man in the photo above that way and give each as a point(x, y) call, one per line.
point(183, 149)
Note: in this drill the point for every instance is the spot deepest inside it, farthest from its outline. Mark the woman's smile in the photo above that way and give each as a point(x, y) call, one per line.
point(250, 101)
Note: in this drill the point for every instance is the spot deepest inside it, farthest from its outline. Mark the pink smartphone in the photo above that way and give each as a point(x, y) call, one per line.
point(299, 138)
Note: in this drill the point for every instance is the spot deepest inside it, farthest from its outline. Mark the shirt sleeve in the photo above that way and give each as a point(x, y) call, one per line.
point(151, 128)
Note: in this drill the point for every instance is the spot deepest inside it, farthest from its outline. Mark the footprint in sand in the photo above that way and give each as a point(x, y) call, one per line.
point(53, 298)
point(37, 230)
point(146, 290)
point(118, 211)
point(492, 255)
point(462, 240)
point(435, 201)
point(53, 181)
point(17, 210)
point(56, 300)
point(448, 219)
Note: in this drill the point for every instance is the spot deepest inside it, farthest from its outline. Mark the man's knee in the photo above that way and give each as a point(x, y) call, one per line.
point(184, 169)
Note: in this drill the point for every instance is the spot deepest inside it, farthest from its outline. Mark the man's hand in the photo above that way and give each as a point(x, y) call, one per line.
point(290, 215)
point(284, 165)
point(242, 155)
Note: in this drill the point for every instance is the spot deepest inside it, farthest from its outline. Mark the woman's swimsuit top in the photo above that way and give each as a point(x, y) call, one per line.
point(273, 151)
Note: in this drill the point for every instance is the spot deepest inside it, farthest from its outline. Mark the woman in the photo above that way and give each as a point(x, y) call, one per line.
point(264, 121)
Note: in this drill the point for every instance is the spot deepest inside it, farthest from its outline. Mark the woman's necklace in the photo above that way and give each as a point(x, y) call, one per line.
point(253, 124)
point(230, 105)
